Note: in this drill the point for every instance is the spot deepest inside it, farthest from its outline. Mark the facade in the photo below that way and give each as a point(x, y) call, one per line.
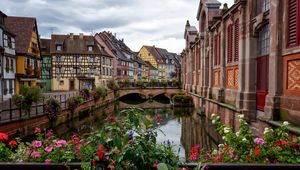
point(76, 62)
point(46, 66)
point(162, 60)
point(245, 59)
point(2, 16)
point(27, 48)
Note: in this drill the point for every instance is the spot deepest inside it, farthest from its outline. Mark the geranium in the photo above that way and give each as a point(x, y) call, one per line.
point(48, 149)
point(111, 119)
point(3, 136)
point(37, 143)
point(256, 151)
point(158, 118)
point(49, 133)
point(61, 143)
point(37, 130)
point(101, 152)
point(48, 161)
point(155, 164)
point(12, 143)
point(35, 154)
point(259, 141)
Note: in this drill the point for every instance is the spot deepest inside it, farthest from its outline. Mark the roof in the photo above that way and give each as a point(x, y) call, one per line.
point(45, 46)
point(22, 27)
point(152, 50)
point(74, 44)
point(151, 67)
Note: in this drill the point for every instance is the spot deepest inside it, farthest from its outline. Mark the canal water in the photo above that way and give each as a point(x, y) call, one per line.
point(182, 127)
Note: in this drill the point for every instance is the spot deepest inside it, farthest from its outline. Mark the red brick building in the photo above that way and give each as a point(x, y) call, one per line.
point(245, 59)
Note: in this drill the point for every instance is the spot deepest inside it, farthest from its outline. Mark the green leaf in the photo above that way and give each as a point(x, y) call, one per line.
point(162, 166)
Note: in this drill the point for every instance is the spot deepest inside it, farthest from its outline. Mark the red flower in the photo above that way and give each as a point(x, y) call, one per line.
point(155, 164)
point(3, 136)
point(94, 162)
point(111, 119)
point(12, 143)
point(281, 142)
point(256, 151)
point(101, 152)
point(158, 118)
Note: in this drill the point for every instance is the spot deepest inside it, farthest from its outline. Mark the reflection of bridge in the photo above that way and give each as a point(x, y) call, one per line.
point(147, 91)
point(148, 104)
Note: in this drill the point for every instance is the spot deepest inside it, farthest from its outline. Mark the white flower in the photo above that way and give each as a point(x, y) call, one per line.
point(238, 133)
point(267, 130)
point(221, 145)
point(213, 115)
point(218, 117)
point(241, 116)
point(226, 129)
point(223, 137)
point(285, 123)
point(244, 139)
point(213, 121)
point(215, 152)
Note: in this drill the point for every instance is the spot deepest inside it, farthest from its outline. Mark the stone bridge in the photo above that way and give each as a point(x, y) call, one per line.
point(148, 92)
point(146, 105)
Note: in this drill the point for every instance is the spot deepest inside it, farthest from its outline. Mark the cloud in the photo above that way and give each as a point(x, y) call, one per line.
point(139, 22)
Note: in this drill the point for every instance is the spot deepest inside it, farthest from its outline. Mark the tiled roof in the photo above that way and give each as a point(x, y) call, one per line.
point(22, 27)
point(45, 46)
point(74, 44)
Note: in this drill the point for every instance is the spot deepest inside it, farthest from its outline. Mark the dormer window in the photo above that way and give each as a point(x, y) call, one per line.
point(90, 48)
point(58, 47)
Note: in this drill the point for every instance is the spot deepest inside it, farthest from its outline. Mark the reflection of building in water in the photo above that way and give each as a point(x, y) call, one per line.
point(198, 130)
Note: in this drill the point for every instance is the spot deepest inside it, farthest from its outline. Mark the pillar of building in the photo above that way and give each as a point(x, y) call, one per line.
point(275, 60)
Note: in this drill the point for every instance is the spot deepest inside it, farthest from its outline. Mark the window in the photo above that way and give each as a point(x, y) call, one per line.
point(217, 49)
point(58, 47)
point(61, 82)
point(7, 64)
point(236, 40)
point(12, 64)
point(5, 40)
point(229, 43)
point(263, 41)
point(262, 6)
point(293, 30)
point(11, 87)
point(90, 48)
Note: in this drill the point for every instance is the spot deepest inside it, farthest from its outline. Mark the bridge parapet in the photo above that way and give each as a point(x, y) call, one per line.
point(148, 92)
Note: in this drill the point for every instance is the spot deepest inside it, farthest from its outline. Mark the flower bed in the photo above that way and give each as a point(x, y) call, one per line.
point(125, 143)
point(276, 146)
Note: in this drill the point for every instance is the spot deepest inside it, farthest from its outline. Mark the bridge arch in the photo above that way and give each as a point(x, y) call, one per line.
point(148, 92)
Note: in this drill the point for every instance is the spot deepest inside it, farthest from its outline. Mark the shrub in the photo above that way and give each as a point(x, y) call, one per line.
point(52, 108)
point(27, 96)
point(126, 82)
point(111, 84)
point(153, 82)
point(163, 83)
point(99, 92)
point(74, 101)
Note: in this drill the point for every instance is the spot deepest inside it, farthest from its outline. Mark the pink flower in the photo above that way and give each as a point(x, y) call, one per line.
point(37, 143)
point(231, 155)
point(49, 133)
point(117, 151)
point(48, 161)
point(35, 154)
point(37, 130)
point(48, 149)
point(259, 141)
point(155, 164)
point(193, 157)
point(183, 168)
point(61, 143)
point(77, 150)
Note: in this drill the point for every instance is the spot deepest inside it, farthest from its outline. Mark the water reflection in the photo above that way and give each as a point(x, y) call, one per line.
point(183, 127)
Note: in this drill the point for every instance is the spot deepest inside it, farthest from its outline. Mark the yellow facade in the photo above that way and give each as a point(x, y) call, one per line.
point(32, 51)
point(147, 56)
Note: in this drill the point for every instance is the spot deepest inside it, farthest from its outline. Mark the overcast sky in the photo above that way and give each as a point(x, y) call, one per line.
point(139, 22)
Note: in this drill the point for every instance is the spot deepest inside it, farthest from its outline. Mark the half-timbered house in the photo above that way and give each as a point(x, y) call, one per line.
point(76, 62)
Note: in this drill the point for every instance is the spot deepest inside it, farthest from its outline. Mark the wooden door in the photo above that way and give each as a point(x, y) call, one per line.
point(262, 82)
point(72, 85)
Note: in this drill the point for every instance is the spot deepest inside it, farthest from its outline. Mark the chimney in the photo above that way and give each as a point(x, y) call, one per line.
point(81, 35)
point(71, 35)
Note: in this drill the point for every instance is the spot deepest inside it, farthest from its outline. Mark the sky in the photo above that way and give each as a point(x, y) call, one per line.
point(138, 22)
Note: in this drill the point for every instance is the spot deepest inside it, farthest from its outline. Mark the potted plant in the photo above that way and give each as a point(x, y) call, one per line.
point(52, 108)
point(29, 70)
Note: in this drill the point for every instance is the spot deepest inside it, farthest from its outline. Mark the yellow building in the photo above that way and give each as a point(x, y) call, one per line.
point(148, 53)
point(27, 50)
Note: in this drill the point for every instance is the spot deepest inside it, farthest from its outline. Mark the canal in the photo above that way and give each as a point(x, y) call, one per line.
point(182, 127)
